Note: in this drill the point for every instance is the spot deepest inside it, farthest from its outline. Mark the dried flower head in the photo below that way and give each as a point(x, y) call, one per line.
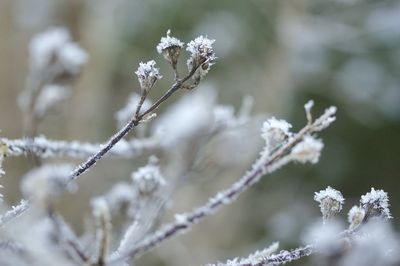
point(202, 56)
point(54, 50)
point(330, 201)
point(148, 179)
point(170, 48)
point(147, 75)
point(376, 204)
point(308, 150)
point(275, 132)
point(355, 216)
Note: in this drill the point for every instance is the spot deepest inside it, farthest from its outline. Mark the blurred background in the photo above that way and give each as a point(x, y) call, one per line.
point(344, 53)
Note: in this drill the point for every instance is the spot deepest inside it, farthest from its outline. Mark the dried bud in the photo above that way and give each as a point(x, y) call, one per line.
point(330, 201)
point(308, 150)
point(275, 132)
point(376, 204)
point(148, 179)
point(147, 75)
point(355, 216)
point(170, 48)
point(202, 56)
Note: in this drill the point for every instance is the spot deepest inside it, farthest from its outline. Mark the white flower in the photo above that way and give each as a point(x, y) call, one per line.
point(275, 132)
point(308, 150)
point(331, 201)
point(376, 204)
point(147, 75)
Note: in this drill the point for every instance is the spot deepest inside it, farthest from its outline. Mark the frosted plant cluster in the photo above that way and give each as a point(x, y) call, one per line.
point(126, 220)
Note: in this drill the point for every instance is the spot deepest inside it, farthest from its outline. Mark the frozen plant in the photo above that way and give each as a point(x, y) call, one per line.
point(126, 218)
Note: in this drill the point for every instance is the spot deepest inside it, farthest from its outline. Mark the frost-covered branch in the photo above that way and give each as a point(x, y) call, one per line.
point(14, 212)
point(297, 147)
point(259, 259)
point(46, 148)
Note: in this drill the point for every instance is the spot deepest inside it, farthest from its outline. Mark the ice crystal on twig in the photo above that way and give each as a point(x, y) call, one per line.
point(147, 75)
point(330, 201)
point(376, 204)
